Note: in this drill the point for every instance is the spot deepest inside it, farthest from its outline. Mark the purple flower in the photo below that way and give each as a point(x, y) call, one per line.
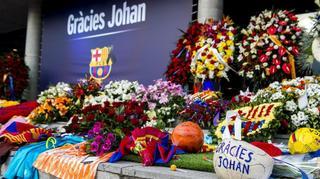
point(163, 99)
point(151, 105)
point(94, 147)
point(99, 139)
point(107, 146)
point(111, 137)
point(90, 134)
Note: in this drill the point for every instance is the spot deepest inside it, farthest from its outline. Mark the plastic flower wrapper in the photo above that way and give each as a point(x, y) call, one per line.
point(165, 99)
point(61, 89)
point(268, 48)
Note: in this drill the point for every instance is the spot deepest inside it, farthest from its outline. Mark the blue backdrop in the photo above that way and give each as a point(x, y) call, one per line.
point(141, 45)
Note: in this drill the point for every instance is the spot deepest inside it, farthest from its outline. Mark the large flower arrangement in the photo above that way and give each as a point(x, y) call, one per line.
point(14, 76)
point(178, 70)
point(268, 48)
point(165, 99)
point(117, 117)
point(300, 98)
point(213, 52)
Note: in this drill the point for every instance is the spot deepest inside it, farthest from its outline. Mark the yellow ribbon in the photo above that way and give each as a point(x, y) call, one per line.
point(51, 140)
point(275, 40)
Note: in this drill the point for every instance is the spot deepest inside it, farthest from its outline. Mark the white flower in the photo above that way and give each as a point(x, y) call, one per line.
point(291, 106)
point(277, 95)
point(314, 111)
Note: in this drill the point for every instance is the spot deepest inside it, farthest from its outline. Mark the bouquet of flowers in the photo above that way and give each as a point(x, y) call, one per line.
point(52, 110)
point(100, 140)
point(60, 90)
point(118, 117)
point(120, 91)
point(268, 48)
point(86, 87)
point(178, 70)
point(14, 76)
point(300, 98)
point(204, 108)
point(165, 99)
point(213, 52)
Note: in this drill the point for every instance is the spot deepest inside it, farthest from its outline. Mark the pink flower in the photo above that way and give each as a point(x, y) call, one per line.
point(151, 105)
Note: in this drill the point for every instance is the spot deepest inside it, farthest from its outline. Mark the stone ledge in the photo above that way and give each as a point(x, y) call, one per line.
point(132, 170)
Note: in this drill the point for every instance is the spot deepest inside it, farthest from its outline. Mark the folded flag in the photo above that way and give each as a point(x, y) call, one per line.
point(150, 144)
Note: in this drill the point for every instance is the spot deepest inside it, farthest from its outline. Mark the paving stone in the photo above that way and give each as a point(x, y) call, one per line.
point(116, 167)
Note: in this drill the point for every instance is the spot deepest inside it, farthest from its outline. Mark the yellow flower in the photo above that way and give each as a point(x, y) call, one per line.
point(230, 34)
point(220, 49)
point(230, 43)
point(219, 74)
point(220, 67)
point(219, 35)
point(222, 44)
point(226, 58)
point(211, 66)
point(229, 52)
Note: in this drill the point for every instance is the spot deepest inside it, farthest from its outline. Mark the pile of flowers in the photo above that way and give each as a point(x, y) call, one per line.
point(213, 52)
point(14, 76)
point(165, 99)
point(178, 70)
point(300, 98)
point(204, 108)
point(118, 117)
point(268, 48)
point(100, 141)
point(61, 89)
point(52, 110)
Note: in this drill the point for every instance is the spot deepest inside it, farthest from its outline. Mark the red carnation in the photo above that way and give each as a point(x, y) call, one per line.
point(134, 121)
point(120, 118)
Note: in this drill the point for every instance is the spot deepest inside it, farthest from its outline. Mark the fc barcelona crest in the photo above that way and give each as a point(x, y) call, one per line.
point(101, 63)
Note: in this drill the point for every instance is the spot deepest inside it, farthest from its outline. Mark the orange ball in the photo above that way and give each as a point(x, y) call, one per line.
point(188, 136)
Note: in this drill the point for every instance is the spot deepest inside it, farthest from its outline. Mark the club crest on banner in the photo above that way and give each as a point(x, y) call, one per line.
point(101, 63)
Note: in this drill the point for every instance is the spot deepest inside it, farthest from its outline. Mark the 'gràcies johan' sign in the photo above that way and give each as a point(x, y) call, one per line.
point(141, 34)
point(80, 23)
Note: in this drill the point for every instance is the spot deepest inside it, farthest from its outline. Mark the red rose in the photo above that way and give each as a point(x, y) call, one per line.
point(111, 112)
point(134, 121)
point(79, 93)
point(90, 117)
point(144, 118)
point(120, 118)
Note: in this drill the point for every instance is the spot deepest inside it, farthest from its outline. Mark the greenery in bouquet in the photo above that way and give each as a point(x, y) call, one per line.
point(300, 99)
point(204, 108)
point(100, 140)
point(307, 57)
point(213, 52)
point(178, 70)
point(14, 76)
point(165, 99)
point(268, 48)
point(119, 118)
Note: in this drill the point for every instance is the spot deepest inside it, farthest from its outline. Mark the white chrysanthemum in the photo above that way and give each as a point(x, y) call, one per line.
point(277, 95)
point(291, 106)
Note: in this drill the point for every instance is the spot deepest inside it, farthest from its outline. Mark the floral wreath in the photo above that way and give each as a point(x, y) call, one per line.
point(213, 53)
point(269, 47)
